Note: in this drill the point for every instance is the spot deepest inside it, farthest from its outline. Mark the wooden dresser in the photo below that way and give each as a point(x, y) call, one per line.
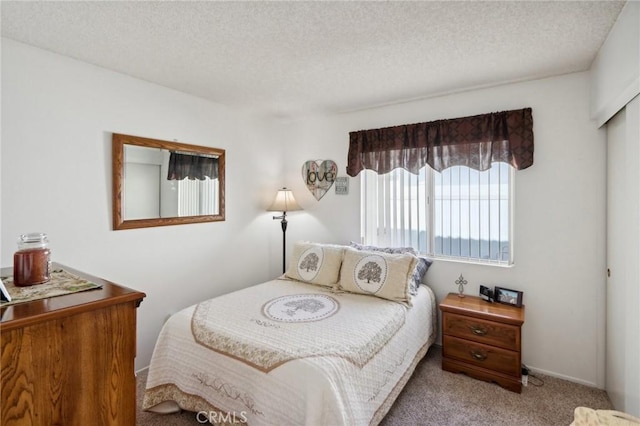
point(69, 360)
point(482, 340)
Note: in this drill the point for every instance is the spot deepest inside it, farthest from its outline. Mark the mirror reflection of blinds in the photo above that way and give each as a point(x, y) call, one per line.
point(198, 197)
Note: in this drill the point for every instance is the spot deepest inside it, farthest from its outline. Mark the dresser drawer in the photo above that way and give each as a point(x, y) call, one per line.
point(489, 357)
point(488, 332)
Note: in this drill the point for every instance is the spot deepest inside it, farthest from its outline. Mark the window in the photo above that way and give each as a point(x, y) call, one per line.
point(460, 213)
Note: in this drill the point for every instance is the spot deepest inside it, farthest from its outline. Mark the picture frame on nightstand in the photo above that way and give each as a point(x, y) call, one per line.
point(508, 296)
point(486, 294)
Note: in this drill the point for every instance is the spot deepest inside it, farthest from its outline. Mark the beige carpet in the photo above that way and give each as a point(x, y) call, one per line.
point(436, 397)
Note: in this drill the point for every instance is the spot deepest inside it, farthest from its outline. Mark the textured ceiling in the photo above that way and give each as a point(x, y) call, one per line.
point(292, 58)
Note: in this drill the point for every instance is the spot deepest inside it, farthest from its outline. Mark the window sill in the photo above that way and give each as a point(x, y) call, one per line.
point(469, 261)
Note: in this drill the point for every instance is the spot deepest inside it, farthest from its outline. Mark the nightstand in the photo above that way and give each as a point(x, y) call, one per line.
point(482, 340)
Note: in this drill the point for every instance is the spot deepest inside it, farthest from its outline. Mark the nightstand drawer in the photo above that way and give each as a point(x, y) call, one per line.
point(485, 356)
point(488, 332)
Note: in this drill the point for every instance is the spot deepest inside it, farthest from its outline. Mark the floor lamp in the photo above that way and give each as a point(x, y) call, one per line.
point(284, 203)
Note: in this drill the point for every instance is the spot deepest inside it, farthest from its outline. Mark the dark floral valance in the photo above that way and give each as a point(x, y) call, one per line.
point(474, 141)
point(192, 167)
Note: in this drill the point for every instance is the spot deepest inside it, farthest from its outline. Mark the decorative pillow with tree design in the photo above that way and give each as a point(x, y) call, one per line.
point(421, 267)
point(315, 263)
point(380, 274)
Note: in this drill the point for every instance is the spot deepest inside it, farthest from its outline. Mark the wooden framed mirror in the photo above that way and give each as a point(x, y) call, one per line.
point(159, 183)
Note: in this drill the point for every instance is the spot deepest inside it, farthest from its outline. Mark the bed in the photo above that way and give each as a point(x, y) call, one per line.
point(292, 352)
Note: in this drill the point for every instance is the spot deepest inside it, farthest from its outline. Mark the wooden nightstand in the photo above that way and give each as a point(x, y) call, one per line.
point(482, 340)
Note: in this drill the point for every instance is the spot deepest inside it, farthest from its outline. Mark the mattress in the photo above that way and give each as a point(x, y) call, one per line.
point(289, 353)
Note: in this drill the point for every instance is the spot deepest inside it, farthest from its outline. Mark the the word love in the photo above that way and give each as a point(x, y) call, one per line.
point(319, 175)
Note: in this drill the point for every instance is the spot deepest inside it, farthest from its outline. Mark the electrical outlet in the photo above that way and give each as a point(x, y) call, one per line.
point(525, 375)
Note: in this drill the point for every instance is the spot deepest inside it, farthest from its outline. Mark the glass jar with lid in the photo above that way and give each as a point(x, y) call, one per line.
point(32, 261)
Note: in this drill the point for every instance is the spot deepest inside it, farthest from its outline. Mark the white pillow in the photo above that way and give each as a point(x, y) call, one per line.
point(315, 263)
point(384, 275)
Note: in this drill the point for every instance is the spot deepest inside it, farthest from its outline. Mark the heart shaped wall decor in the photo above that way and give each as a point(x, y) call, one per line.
point(319, 175)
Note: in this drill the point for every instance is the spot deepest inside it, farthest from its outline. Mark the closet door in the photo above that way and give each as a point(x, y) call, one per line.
point(623, 259)
point(615, 259)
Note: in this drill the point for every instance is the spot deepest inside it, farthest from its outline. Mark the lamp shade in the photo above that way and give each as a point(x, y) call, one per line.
point(284, 202)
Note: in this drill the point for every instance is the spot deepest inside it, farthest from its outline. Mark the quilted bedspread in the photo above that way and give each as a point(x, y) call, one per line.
point(290, 353)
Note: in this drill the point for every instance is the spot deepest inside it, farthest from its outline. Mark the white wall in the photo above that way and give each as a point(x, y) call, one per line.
point(559, 213)
point(57, 118)
point(142, 174)
point(616, 68)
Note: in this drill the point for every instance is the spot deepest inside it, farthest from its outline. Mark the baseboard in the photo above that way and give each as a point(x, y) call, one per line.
point(534, 370)
point(141, 370)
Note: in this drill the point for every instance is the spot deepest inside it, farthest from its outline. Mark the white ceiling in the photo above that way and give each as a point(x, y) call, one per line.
point(292, 58)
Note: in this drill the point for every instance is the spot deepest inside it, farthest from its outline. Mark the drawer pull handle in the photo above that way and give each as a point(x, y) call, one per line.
point(478, 355)
point(478, 331)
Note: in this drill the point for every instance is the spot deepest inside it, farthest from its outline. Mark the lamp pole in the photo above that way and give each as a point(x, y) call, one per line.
point(283, 225)
point(284, 202)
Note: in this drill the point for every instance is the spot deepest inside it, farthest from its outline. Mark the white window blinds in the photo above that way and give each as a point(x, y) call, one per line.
point(460, 213)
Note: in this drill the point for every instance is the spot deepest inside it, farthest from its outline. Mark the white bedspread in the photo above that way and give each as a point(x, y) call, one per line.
point(290, 353)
